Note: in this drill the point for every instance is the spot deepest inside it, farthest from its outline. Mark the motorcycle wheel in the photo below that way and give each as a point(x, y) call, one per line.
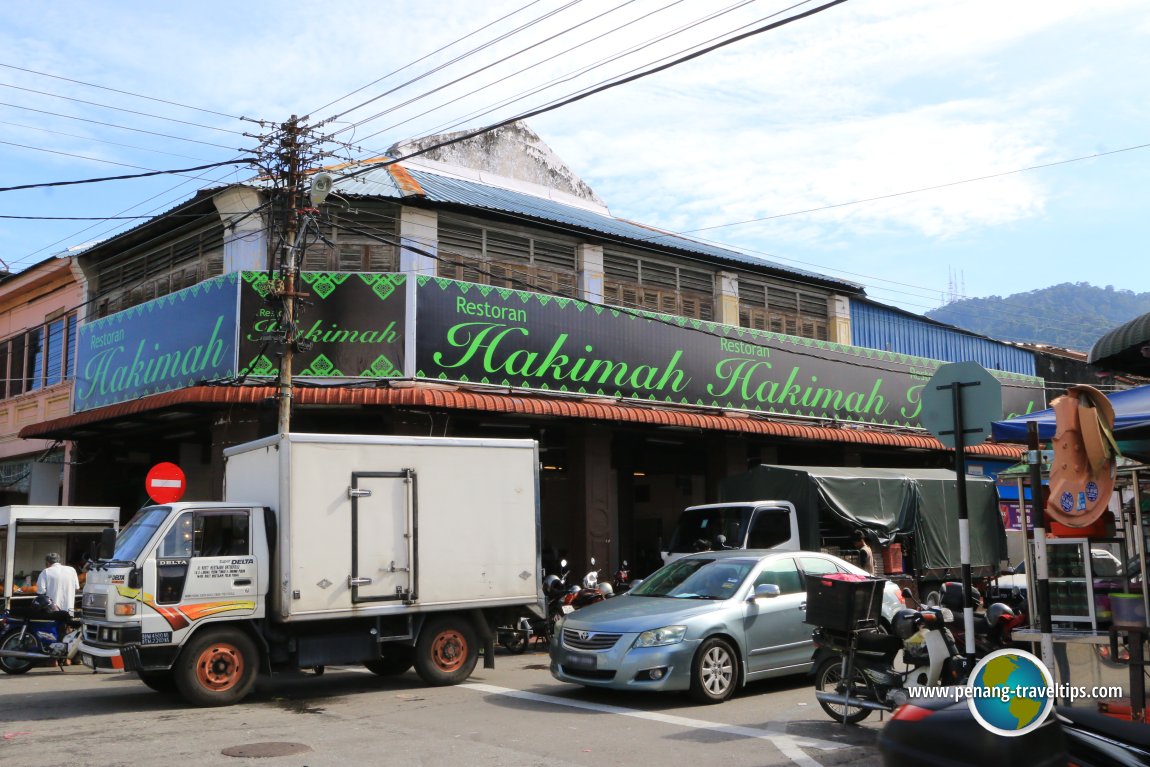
point(828, 678)
point(514, 641)
point(14, 641)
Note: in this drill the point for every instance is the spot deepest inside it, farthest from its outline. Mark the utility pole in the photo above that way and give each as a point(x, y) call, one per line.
point(290, 148)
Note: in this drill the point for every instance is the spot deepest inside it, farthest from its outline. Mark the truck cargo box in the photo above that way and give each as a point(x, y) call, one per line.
point(382, 525)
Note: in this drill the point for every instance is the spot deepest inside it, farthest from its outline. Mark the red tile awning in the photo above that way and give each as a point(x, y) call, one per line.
point(446, 398)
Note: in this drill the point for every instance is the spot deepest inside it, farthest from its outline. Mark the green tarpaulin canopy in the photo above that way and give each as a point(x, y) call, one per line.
point(890, 502)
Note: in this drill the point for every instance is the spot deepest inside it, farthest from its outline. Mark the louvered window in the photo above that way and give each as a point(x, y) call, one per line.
point(656, 285)
point(39, 357)
point(517, 260)
point(779, 307)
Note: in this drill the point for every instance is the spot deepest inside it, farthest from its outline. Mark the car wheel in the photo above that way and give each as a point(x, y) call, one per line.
point(828, 678)
point(714, 672)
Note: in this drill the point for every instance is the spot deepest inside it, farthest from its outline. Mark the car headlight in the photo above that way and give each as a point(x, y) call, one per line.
point(661, 637)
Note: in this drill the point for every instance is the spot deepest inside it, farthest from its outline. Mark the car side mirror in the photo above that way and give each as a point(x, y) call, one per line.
point(766, 591)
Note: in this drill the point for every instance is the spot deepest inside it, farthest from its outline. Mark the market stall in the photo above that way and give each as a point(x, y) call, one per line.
point(28, 533)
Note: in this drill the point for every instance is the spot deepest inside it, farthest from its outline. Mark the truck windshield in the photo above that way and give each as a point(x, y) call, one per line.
point(700, 529)
point(133, 538)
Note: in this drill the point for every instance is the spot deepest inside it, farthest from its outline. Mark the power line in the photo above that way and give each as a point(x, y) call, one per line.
point(116, 90)
point(427, 56)
point(98, 140)
point(114, 125)
point(177, 171)
point(607, 86)
point(120, 109)
point(481, 69)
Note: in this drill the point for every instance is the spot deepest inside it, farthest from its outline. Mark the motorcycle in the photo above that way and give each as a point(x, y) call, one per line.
point(516, 638)
point(621, 581)
point(866, 659)
point(992, 628)
point(921, 732)
point(42, 634)
point(592, 590)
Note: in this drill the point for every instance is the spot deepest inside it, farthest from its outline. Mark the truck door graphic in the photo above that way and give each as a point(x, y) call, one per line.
point(383, 536)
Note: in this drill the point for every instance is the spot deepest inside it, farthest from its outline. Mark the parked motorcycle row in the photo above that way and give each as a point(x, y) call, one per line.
point(39, 634)
point(562, 600)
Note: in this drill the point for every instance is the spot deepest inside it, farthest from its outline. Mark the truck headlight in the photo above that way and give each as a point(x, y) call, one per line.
point(661, 637)
point(124, 608)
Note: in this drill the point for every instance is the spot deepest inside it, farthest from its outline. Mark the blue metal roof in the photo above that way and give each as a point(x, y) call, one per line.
point(450, 190)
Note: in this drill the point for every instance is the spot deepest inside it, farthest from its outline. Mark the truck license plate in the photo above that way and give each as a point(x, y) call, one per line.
point(582, 662)
point(87, 661)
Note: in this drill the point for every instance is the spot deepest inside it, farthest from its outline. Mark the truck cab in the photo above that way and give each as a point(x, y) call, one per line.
point(174, 568)
point(736, 525)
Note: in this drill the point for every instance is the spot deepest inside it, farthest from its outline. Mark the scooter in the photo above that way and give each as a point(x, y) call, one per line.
point(38, 637)
point(866, 659)
point(992, 628)
point(621, 582)
point(516, 638)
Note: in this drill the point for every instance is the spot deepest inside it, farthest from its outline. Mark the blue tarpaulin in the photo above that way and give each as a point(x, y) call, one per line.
point(1131, 421)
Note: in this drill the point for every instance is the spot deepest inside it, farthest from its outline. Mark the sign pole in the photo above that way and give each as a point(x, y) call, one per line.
point(963, 515)
point(1041, 576)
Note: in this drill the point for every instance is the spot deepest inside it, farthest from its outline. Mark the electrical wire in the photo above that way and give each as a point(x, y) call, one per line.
point(441, 49)
point(120, 109)
point(114, 125)
point(116, 90)
point(100, 141)
point(176, 172)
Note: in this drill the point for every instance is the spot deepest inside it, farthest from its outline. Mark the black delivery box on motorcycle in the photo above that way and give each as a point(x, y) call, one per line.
point(844, 601)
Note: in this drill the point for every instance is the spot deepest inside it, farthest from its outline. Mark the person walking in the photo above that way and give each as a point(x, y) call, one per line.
point(60, 582)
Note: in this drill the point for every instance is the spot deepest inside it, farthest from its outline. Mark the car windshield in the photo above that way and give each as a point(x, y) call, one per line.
point(133, 538)
point(696, 579)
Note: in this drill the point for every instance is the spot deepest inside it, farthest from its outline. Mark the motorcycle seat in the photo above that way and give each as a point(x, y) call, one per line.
point(1134, 733)
point(878, 641)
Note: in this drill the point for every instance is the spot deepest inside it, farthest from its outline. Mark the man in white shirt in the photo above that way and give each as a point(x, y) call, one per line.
point(58, 581)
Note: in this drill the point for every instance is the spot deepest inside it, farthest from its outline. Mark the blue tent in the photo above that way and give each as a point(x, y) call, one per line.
point(1131, 422)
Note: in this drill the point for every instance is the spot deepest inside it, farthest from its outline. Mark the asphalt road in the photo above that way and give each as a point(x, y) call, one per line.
point(516, 714)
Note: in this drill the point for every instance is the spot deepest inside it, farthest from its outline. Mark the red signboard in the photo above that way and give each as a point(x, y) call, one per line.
point(165, 483)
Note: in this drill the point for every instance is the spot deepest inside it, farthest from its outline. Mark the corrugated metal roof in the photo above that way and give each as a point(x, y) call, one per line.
point(519, 404)
point(438, 188)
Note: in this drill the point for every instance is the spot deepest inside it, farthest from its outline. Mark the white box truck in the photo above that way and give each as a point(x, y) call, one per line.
point(328, 549)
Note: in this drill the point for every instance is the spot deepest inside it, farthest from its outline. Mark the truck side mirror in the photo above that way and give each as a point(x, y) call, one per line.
point(907, 594)
point(107, 543)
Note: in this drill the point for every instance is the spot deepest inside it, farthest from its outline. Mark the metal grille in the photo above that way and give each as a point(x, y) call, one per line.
point(589, 640)
point(95, 606)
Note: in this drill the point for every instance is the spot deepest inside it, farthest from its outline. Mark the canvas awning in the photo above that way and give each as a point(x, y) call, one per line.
point(1131, 423)
point(1125, 349)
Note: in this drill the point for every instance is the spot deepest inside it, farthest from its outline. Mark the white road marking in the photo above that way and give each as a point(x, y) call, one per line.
point(790, 745)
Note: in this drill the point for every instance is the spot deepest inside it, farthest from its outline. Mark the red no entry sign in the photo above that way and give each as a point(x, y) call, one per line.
point(165, 483)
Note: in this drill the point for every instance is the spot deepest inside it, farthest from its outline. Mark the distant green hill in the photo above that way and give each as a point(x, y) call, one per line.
point(1070, 315)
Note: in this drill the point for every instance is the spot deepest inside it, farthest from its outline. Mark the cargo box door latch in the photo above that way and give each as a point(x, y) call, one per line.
point(358, 492)
point(354, 581)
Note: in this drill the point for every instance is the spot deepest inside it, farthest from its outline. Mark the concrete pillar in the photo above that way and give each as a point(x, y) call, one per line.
point(589, 262)
point(727, 298)
point(418, 231)
point(245, 235)
point(839, 320)
point(594, 520)
point(229, 428)
point(726, 456)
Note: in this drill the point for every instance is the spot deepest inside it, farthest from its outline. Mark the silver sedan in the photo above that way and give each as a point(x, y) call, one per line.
point(706, 623)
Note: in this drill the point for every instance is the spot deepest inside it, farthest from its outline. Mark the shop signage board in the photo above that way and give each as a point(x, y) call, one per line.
point(479, 334)
point(169, 343)
point(351, 326)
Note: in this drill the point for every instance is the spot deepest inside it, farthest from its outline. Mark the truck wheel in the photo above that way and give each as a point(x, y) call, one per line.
point(216, 668)
point(14, 642)
point(714, 672)
point(396, 660)
point(446, 651)
point(160, 681)
point(828, 678)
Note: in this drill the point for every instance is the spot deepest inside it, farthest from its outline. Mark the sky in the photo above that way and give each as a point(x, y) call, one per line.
point(777, 145)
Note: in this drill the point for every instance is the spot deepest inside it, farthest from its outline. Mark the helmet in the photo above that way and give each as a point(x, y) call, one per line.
point(998, 612)
point(550, 583)
point(905, 624)
point(606, 589)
